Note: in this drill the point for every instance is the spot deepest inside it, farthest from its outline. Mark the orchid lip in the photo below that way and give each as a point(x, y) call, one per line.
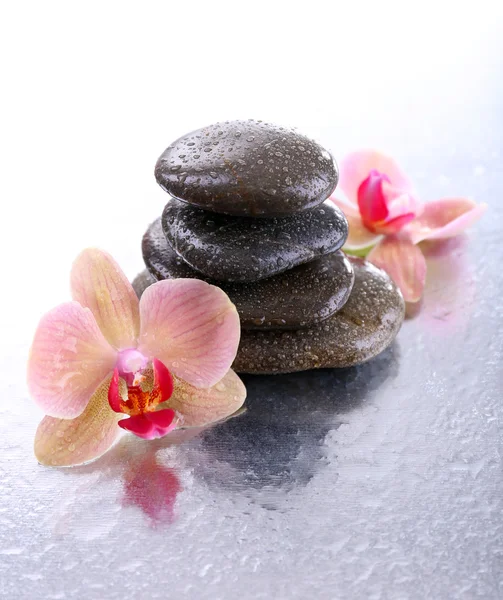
point(147, 387)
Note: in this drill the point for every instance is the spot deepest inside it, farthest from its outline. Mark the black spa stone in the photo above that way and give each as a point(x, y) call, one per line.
point(297, 298)
point(242, 249)
point(362, 329)
point(247, 168)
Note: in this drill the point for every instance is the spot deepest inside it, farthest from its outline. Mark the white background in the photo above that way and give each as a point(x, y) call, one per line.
point(378, 482)
point(92, 93)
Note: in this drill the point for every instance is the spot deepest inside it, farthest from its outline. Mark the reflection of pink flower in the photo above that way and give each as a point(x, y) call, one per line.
point(107, 355)
point(387, 221)
point(153, 488)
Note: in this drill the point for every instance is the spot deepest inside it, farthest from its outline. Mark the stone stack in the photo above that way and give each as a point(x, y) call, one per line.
point(249, 213)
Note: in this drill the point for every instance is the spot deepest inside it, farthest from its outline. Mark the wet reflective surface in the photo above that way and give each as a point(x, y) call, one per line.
point(384, 476)
point(380, 481)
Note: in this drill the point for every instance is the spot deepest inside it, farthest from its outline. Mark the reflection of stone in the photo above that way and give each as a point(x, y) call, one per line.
point(280, 439)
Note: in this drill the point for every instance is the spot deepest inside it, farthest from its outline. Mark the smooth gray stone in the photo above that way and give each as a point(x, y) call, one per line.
point(247, 168)
point(246, 249)
point(362, 329)
point(297, 298)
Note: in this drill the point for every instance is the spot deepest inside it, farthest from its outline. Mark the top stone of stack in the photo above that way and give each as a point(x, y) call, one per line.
point(247, 168)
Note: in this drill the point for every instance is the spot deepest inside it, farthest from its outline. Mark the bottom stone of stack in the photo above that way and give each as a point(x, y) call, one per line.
point(364, 327)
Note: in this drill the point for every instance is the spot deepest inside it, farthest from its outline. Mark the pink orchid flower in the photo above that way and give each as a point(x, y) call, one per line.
point(386, 221)
point(161, 361)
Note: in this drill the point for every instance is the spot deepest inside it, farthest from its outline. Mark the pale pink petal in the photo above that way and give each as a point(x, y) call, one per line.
point(445, 218)
point(400, 203)
point(69, 358)
point(98, 283)
point(70, 442)
point(355, 168)
point(200, 407)
point(359, 237)
point(405, 264)
point(349, 208)
point(394, 225)
point(190, 326)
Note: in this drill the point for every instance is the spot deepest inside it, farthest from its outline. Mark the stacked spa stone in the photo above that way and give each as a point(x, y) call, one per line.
point(249, 213)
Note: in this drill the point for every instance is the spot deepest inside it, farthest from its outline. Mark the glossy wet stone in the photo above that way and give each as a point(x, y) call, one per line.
point(247, 168)
point(297, 298)
point(364, 327)
point(246, 249)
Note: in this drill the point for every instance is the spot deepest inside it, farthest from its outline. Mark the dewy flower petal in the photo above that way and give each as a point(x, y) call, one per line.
point(355, 168)
point(163, 379)
point(191, 327)
point(359, 237)
point(151, 425)
point(445, 218)
point(70, 442)
point(371, 199)
point(201, 407)
point(405, 264)
point(384, 208)
point(395, 225)
point(69, 359)
point(348, 207)
point(98, 283)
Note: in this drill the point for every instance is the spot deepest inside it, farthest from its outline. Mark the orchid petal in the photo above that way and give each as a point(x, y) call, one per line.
point(163, 379)
point(98, 283)
point(349, 208)
point(400, 202)
point(405, 264)
point(395, 225)
point(151, 425)
point(200, 407)
point(371, 199)
point(70, 442)
point(355, 168)
point(445, 218)
point(359, 237)
point(114, 397)
point(190, 326)
point(69, 359)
